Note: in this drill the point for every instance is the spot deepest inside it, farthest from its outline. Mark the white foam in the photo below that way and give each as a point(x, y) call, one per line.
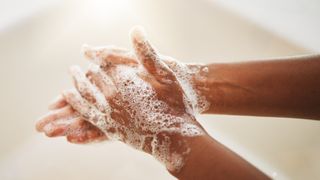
point(150, 114)
point(184, 75)
point(150, 117)
point(85, 87)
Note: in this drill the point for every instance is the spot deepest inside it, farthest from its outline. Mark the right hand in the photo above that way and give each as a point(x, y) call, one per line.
point(136, 105)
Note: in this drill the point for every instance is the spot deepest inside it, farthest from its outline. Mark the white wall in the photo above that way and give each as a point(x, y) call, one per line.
point(13, 11)
point(296, 20)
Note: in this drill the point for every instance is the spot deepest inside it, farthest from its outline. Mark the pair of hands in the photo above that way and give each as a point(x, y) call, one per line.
point(142, 99)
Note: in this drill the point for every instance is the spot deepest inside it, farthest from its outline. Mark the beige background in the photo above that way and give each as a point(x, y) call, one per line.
point(36, 53)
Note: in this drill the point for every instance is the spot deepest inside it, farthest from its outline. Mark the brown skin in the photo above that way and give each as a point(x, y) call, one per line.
point(79, 131)
point(260, 88)
point(209, 159)
point(286, 88)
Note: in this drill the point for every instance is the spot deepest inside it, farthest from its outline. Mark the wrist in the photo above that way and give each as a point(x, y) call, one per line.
point(201, 80)
point(173, 148)
point(196, 147)
point(208, 159)
point(221, 88)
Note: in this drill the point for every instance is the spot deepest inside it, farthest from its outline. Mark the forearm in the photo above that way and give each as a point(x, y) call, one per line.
point(209, 159)
point(284, 88)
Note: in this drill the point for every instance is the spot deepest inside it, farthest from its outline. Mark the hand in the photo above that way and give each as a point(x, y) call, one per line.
point(63, 120)
point(141, 109)
point(150, 104)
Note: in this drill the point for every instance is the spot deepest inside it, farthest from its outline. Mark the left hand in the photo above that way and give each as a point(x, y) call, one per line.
point(142, 104)
point(63, 120)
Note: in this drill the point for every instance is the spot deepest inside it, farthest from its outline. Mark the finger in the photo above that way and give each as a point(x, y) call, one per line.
point(148, 56)
point(57, 103)
point(87, 89)
point(109, 56)
point(104, 83)
point(60, 127)
point(81, 127)
point(73, 126)
point(99, 52)
point(88, 112)
point(90, 135)
point(65, 112)
point(107, 85)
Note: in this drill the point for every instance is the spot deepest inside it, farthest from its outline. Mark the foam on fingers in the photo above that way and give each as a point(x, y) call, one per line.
point(151, 115)
point(101, 80)
point(185, 74)
point(106, 55)
point(87, 134)
point(149, 58)
point(57, 103)
point(54, 115)
point(88, 111)
point(59, 128)
point(127, 106)
point(143, 49)
point(87, 89)
point(137, 33)
point(91, 53)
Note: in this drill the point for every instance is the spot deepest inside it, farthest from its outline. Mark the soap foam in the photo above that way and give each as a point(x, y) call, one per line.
point(150, 125)
point(149, 115)
point(86, 88)
point(148, 119)
point(184, 75)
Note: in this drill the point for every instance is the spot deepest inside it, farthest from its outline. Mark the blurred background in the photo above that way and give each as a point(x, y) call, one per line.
point(40, 39)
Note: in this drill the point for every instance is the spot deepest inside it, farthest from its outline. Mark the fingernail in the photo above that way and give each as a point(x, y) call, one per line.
point(138, 33)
